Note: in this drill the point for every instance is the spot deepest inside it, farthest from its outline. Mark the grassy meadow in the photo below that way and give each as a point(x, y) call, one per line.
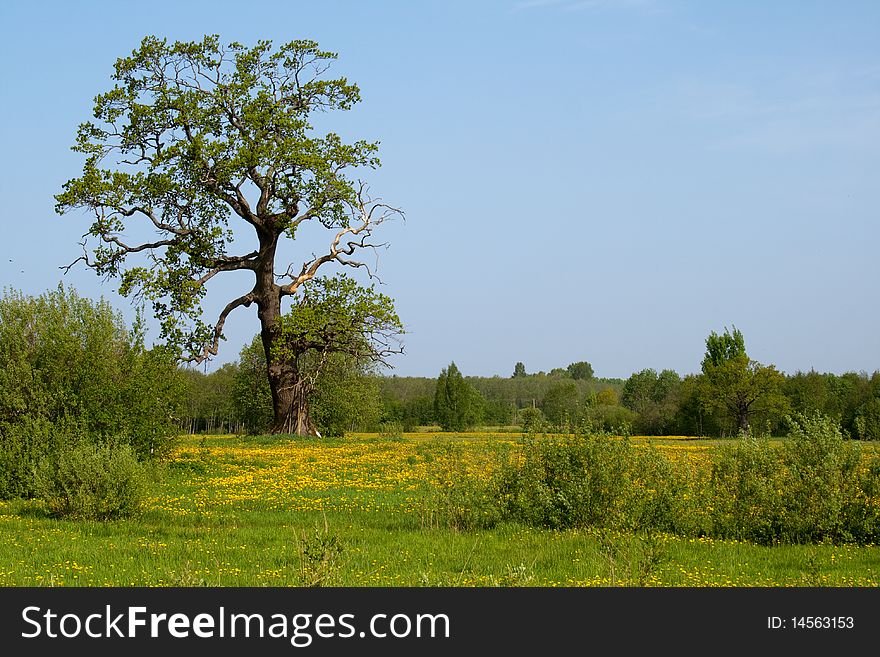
point(239, 511)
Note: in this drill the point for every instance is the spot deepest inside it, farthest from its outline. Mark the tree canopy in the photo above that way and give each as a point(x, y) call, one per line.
point(723, 348)
point(581, 370)
point(457, 404)
point(737, 388)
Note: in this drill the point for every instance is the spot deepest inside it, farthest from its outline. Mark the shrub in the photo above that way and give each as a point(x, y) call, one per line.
point(320, 557)
point(822, 491)
point(564, 482)
point(616, 419)
point(69, 367)
point(587, 480)
point(532, 420)
point(561, 404)
point(745, 498)
point(814, 488)
point(23, 445)
point(92, 482)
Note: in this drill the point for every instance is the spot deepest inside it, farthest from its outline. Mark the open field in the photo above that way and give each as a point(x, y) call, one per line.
point(233, 511)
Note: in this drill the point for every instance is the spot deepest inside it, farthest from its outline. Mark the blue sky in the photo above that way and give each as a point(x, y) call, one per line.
point(605, 180)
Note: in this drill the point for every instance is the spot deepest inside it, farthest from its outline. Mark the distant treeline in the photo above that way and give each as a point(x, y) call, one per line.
point(647, 403)
point(213, 400)
point(410, 401)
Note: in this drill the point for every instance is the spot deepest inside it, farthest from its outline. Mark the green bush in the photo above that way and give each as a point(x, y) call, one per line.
point(812, 489)
point(614, 419)
point(92, 482)
point(23, 445)
point(588, 481)
point(532, 420)
point(823, 497)
point(745, 500)
point(69, 367)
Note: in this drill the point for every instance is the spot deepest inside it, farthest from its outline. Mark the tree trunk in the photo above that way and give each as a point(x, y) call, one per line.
point(290, 403)
point(290, 391)
point(743, 420)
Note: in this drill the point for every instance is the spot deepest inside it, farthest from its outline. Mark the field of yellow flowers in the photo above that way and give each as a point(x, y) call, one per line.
point(237, 511)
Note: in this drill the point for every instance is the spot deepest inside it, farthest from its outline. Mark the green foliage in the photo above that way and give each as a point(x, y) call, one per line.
point(737, 390)
point(654, 399)
point(336, 315)
point(561, 404)
point(851, 393)
point(457, 404)
point(811, 490)
point(208, 405)
point(823, 496)
point(70, 368)
point(408, 413)
point(62, 356)
point(320, 557)
point(746, 501)
point(497, 412)
point(342, 398)
point(519, 370)
point(504, 397)
point(814, 488)
point(722, 348)
point(532, 420)
point(691, 417)
point(92, 482)
point(614, 419)
point(664, 403)
point(148, 401)
point(251, 396)
point(740, 391)
point(811, 392)
point(24, 444)
point(633, 559)
point(457, 498)
point(580, 371)
point(587, 481)
point(334, 335)
point(607, 397)
point(867, 421)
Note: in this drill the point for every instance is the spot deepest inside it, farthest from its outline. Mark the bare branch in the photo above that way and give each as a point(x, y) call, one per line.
point(370, 213)
point(112, 239)
point(84, 258)
point(161, 225)
point(211, 350)
point(229, 263)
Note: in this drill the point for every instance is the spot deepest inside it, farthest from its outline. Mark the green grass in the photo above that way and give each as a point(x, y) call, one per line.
point(232, 511)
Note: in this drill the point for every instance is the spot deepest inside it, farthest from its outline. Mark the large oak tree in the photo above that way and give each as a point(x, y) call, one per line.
point(195, 139)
